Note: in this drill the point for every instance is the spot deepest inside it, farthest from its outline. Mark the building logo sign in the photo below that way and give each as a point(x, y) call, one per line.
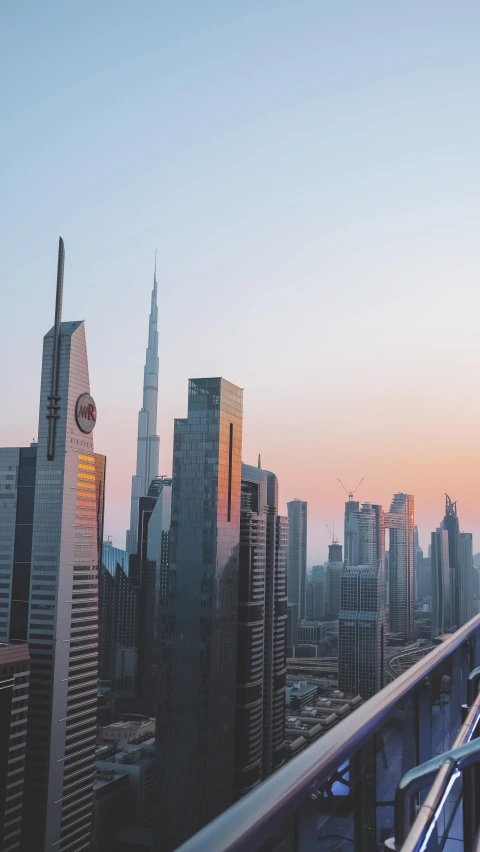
point(85, 413)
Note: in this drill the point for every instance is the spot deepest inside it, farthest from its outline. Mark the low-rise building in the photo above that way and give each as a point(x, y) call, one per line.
point(129, 729)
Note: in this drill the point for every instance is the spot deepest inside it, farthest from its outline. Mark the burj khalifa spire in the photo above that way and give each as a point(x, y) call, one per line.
point(148, 442)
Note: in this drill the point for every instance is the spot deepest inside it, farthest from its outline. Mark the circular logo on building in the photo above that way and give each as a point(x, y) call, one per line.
point(85, 413)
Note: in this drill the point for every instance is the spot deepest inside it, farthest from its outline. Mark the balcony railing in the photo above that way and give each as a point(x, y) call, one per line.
point(403, 763)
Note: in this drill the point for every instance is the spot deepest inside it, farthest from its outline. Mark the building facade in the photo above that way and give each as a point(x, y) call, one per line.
point(400, 521)
point(352, 507)
point(261, 643)
point(362, 623)
point(442, 584)
point(297, 554)
point(199, 616)
point(14, 690)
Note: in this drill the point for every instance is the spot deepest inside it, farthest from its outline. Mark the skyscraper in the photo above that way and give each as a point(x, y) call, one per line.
point(442, 584)
point(361, 626)
point(199, 616)
point(297, 554)
point(400, 521)
point(465, 578)
point(419, 584)
point(148, 442)
point(350, 532)
point(453, 598)
point(261, 646)
point(50, 543)
point(14, 678)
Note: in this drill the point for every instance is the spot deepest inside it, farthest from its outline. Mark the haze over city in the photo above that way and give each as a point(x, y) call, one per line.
point(309, 175)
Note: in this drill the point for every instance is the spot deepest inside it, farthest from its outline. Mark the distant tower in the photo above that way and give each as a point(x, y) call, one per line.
point(297, 554)
point(361, 626)
point(148, 442)
point(400, 520)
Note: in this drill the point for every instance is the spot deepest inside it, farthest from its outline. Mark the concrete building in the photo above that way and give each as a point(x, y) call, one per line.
point(199, 616)
point(127, 730)
point(49, 540)
point(261, 643)
point(297, 554)
point(14, 690)
point(148, 442)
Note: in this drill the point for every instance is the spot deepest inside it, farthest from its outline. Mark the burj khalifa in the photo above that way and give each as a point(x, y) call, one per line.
point(148, 442)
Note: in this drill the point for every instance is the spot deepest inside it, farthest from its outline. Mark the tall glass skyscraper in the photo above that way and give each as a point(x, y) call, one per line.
point(148, 442)
point(49, 543)
point(199, 616)
point(400, 521)
point(297, 555)
point(361, 626)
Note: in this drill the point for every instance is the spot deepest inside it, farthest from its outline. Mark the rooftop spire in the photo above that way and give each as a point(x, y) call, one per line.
point(52, 406)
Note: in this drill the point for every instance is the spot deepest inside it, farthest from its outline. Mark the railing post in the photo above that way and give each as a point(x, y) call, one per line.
point(364, 793)
point(306, 834)
point(424, 726)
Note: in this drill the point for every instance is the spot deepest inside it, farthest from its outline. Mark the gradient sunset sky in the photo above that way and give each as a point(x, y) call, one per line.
point(309, 173)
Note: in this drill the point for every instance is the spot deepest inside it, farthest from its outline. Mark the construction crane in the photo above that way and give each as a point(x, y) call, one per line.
point(334, 540)
point(351, 493)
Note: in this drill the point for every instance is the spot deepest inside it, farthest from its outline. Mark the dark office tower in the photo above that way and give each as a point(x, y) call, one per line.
point(332, 589)
point(460, 559)
point(261, 644)
point(297, 554)
point(334, 552)
point(361, 632)
point(292, 628)
point(152, 588)
point(14, 688)
point(315, 607)
point(147, 572)
point(400, 520)
point(118, 633)
point(466, 591)
point(361, 627)
point(49, 543)
point(199, 616)
point(442, 584)
point(419, 585)
point(350, 532)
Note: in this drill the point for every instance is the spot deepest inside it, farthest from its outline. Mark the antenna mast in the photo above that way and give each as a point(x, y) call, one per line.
point(53, 399)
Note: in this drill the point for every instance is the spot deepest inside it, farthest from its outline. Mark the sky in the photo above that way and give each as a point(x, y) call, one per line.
point(309, 174)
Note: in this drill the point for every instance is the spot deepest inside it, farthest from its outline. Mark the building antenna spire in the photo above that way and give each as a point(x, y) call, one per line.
point(259, 460)
point(53, 399)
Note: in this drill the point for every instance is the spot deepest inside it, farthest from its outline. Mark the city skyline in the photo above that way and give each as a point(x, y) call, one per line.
point(338, 248)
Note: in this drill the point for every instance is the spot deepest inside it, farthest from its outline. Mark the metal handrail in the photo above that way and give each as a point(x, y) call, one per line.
point(254, 818)
point(444, 767)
